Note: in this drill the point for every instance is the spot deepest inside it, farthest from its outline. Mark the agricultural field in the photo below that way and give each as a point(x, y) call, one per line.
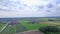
point(16, 25)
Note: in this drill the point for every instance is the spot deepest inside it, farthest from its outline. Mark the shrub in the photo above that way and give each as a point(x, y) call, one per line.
point(49, 29)
point(51, 20)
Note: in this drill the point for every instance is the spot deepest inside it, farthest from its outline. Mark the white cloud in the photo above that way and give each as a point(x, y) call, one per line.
point(29, 8)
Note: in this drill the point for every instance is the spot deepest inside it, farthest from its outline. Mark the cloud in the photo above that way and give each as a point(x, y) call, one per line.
point(50, 5)
point(29, 8)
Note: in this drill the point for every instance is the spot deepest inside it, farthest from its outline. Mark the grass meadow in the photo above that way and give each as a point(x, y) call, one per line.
point(28, 24)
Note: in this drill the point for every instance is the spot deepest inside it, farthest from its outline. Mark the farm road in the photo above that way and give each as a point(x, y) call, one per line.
point(31, 32)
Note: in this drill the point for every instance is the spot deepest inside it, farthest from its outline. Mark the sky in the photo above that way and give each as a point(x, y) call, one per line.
point(29, 8)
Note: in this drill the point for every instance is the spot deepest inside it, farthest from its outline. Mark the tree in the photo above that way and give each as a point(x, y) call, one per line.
point(50, 29)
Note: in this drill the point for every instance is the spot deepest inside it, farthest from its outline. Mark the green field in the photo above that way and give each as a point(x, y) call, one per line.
point(26, 24)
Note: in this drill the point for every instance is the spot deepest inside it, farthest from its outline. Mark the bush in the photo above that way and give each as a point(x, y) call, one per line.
point(51, 20)
point(49, 29)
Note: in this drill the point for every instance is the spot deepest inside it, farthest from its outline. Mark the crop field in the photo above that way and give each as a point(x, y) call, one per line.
point(20, 25)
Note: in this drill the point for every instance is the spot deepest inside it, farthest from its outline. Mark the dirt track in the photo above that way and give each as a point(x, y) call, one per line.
point(31, 32)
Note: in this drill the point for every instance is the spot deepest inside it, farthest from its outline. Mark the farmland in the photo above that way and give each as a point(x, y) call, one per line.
point(17, 25)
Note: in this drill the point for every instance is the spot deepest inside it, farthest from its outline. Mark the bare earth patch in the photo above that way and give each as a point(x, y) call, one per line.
point(31, 32)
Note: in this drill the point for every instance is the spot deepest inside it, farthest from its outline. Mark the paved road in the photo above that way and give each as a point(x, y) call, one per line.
point(31, 32)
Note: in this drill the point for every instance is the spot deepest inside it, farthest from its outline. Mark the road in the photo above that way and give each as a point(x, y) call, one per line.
point(31, 32)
